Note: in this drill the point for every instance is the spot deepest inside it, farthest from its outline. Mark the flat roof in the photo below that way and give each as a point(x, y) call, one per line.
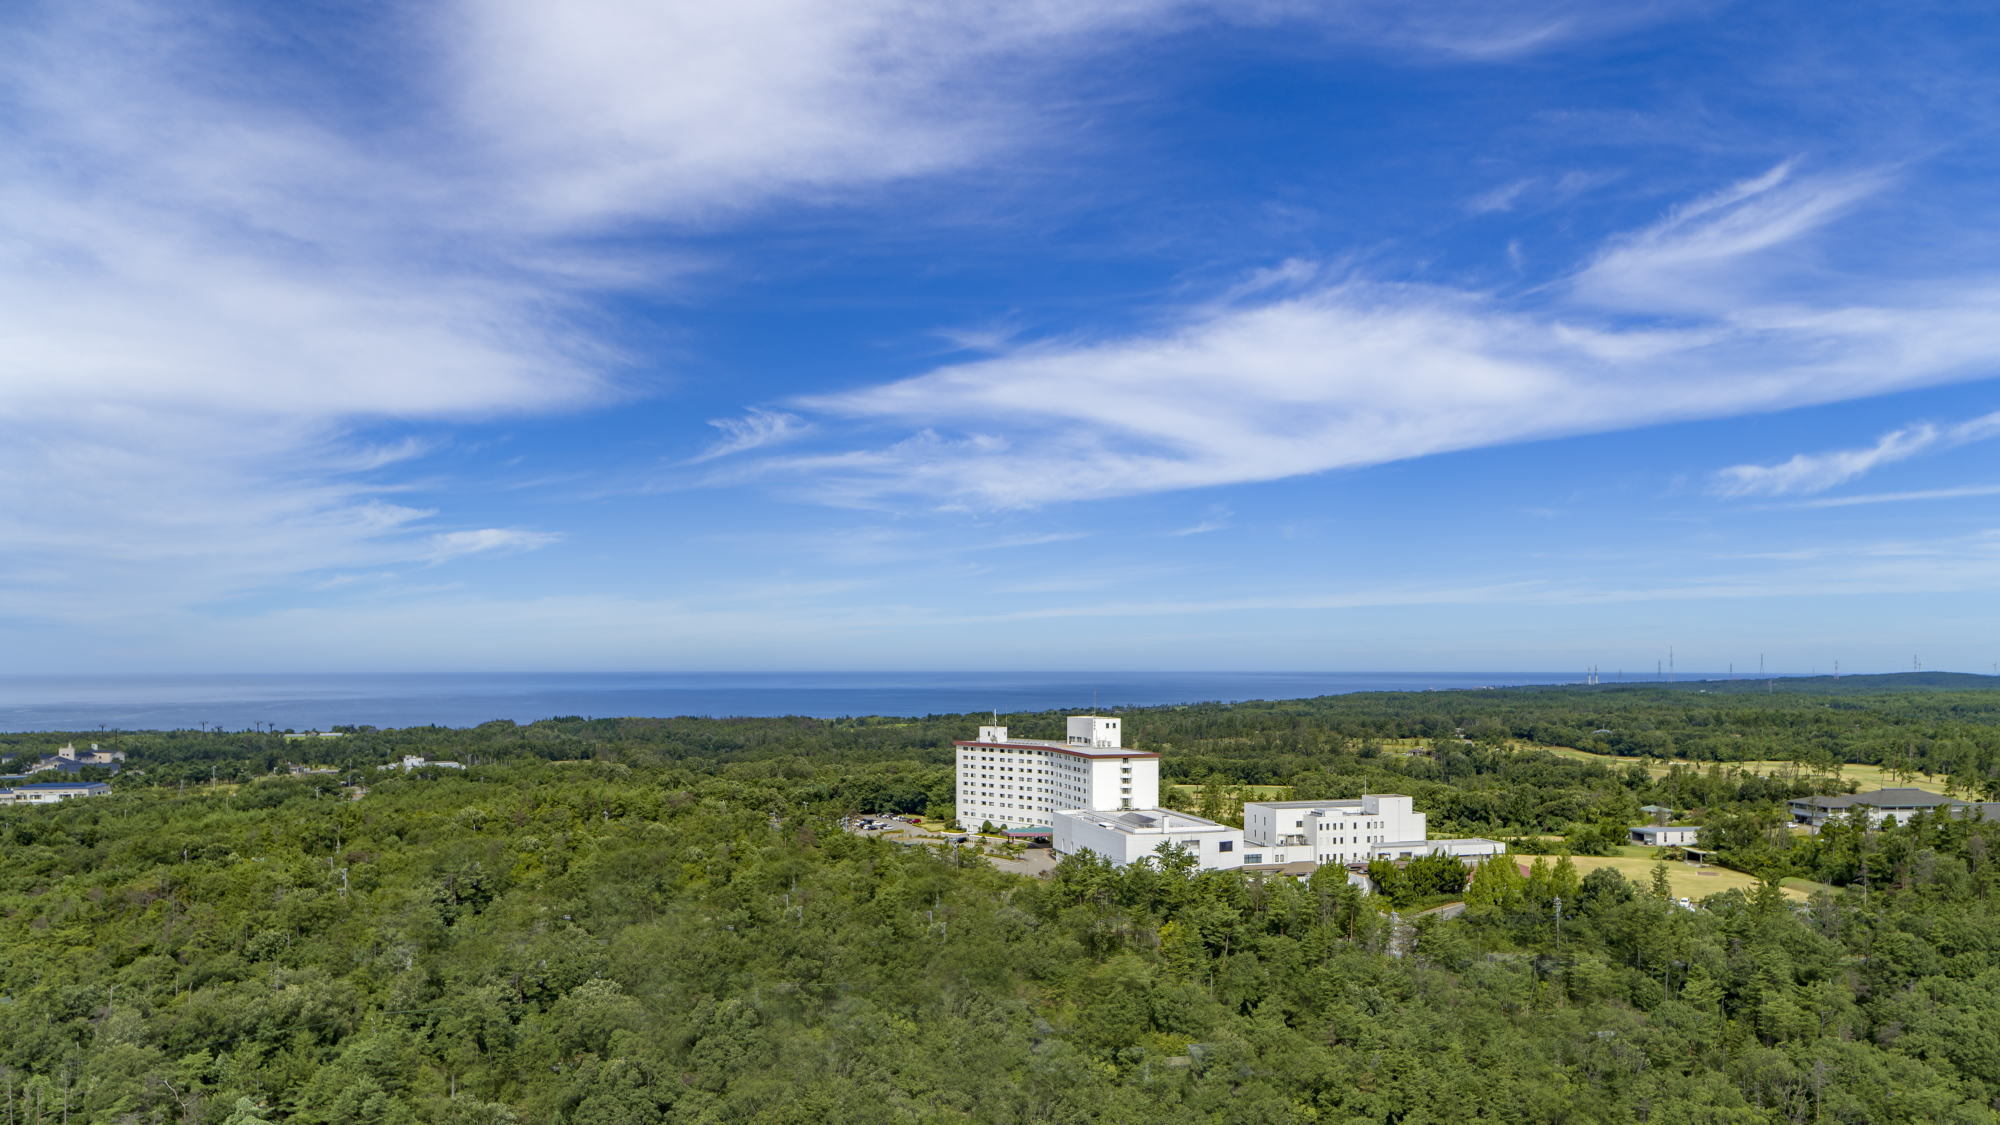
point(1052, 744)
point(1343, 803)
point(1881, 799)
point(1144, 820)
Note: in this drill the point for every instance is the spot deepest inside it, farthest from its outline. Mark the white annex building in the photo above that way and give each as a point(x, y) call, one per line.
point(1127, 837)
point(1375, 826)
point(1024, 782)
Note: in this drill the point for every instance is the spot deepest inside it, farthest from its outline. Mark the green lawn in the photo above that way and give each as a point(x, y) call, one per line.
point(1865, 776)
point(1687, 880)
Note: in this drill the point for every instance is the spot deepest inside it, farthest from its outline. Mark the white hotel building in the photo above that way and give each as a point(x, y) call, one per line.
point(1094, 794)
point(1025, 782)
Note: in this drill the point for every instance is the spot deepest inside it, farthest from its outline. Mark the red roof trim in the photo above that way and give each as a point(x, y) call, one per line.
point(1058, 749)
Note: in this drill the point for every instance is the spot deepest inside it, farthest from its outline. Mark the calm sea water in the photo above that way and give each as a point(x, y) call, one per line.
point(308, 702)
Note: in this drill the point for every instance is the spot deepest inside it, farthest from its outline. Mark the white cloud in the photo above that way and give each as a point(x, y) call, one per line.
point(1960, 493)
point(1703, 255)
point(1339, 374)
point(755, 430)
point(1501, 198)
point(222, 264)
point(449, 545)
point(1817, 472)
point(1219, 517)
point(592, 110)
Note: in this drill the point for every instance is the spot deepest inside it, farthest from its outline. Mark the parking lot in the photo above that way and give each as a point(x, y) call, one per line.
point(1032, 861)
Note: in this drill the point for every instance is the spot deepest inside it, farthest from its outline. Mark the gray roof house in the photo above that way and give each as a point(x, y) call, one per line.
point(1880, 805)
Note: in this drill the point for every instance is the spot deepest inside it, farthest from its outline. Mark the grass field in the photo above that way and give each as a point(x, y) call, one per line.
point(1865, 776)
point(1687, 880)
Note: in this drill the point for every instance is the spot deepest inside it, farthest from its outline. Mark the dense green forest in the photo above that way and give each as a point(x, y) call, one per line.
point(661, 920)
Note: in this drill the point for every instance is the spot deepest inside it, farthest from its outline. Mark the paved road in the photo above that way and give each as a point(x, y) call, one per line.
point(1403, 930)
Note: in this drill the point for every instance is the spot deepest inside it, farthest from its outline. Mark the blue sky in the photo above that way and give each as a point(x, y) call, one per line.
point(1095, 334)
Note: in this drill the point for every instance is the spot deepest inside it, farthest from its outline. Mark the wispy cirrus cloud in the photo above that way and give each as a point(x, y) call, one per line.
point(226, 263)
point(756, 429)
point(447, 545)
point(1710, 312)
point(1806, 473)
point(1913, 496)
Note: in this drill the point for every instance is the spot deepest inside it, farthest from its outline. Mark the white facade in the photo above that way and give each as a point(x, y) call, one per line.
point(48, 793)
point(1329, 831)
point(1127, 837)
point(1469, 847)
point(1877, 806)
point(1660, 836)
point(1025, 782)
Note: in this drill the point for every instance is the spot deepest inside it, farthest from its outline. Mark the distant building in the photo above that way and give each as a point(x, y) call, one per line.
point(68, 759)
point(316, 734)
point(1129, 836)
point(1879, 805)
point(1657, 814)
point(414, 761)
point(50, 792)
point(1025, 782)
point(1664, 836)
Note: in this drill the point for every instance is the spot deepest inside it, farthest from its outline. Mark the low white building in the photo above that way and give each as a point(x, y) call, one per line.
point(1877, 806)
point(1464, 847)
point(1329, 831)
point(1131, 835)
point(1024, 782)
point(49, 792)
point(1664, 835)
point(417, 761)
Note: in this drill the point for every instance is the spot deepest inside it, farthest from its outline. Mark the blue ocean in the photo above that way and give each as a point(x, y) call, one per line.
point(317, 702)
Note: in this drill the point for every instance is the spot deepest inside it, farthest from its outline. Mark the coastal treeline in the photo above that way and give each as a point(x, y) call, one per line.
point(663, 920)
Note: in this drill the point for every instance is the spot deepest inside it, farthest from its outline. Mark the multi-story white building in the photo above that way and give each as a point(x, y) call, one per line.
point(1126, 837)
point(1025, 782)
point(1329, 831)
